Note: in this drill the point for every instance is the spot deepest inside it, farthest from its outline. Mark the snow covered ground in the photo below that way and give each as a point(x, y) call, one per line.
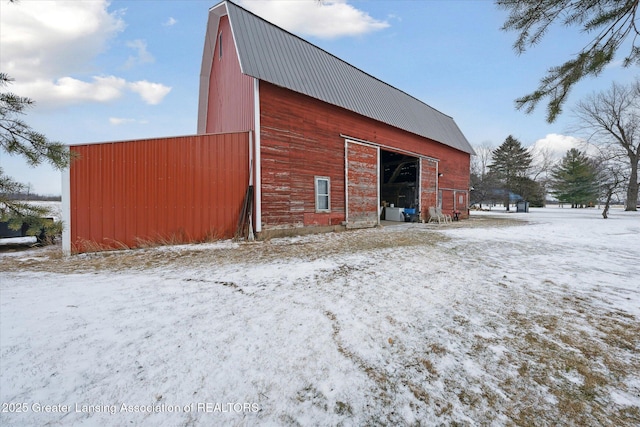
point(504, 319)
point(28, 240)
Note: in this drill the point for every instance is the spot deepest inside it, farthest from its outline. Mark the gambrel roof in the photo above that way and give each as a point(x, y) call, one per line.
point(269, 53)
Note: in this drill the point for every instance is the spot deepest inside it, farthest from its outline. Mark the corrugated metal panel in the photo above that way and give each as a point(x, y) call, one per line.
point(182, 189)
point(269, 53)
point(230, 101)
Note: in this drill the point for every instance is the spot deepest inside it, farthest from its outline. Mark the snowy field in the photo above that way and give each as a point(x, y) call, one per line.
point(55, 210)
point(504, 319)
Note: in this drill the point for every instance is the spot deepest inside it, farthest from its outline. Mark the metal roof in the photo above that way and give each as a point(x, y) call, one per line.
point(269, 53)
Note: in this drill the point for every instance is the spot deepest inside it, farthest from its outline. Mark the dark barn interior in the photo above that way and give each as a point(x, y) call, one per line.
point(399, 180)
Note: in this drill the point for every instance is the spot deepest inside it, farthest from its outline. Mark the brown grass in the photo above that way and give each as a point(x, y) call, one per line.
point(112, 255)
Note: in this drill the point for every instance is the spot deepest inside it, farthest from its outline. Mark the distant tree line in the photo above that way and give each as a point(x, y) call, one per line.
point(32, 196)
point(504, 175)
point(511, 175)
point(511, 172)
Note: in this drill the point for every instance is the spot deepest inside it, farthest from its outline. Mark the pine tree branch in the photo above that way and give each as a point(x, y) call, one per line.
point(532, 18)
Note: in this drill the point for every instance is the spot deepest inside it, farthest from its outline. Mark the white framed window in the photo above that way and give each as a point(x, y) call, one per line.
point(323, 197)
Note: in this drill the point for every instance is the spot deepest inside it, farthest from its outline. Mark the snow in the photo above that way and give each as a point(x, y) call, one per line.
point(500, 319)
point(18, 240)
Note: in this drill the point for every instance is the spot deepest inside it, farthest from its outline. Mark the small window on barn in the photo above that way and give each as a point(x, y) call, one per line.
point(220, 45)
point(322, 194)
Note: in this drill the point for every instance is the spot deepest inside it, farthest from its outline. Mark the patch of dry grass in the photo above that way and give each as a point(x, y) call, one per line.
point(310, 247)
point(307, 248)
point(578, 368)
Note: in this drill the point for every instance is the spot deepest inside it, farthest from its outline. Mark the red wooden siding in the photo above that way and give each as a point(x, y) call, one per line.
point(455, 200)
point(300, 138)
point(184, 189)
point(461, 202)
point(230, 107)
point(362, 185)
point(428, 196)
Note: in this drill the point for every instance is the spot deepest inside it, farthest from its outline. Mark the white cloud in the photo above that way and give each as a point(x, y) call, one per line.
point(553, 147)
point(557, 145)
point(142, 54)
point(67, 90)
point(117, 121)
point(151, 93)
point(45, 38)
point(43, 43)
point(327, 19)
point(120, 121)
point(170, 22)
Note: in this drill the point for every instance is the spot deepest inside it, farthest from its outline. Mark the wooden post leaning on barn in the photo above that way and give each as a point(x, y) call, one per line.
point(244, 229)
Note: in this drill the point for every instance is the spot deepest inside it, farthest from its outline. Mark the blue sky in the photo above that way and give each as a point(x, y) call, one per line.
point(106, 71)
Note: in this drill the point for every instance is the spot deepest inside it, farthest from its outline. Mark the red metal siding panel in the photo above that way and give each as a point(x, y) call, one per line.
point(230, 104)
point(138, 197)
point(95, 197)
point(80, 213)
point(119, 188)
point(125, 194)
point(362, 185)
point(300, 138)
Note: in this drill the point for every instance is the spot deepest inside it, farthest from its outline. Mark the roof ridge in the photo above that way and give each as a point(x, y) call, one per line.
point(272, 54)
point(334, 56)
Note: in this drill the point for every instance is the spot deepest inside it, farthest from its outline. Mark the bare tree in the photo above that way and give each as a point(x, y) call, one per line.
point(612, 120)
point(543, 161)
point(481, 182)
point(541, 166)
point(480, 162)
point(612, 179)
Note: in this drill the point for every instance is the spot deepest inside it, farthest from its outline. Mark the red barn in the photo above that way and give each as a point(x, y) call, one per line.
point(322, 144)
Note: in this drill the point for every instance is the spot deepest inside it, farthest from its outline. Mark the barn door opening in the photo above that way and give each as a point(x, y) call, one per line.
point(399, 185)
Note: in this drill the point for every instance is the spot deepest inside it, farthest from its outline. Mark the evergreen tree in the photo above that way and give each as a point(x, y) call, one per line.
point(17, 138)
point(510, 163)
point(575, 179)
point(530, 190)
